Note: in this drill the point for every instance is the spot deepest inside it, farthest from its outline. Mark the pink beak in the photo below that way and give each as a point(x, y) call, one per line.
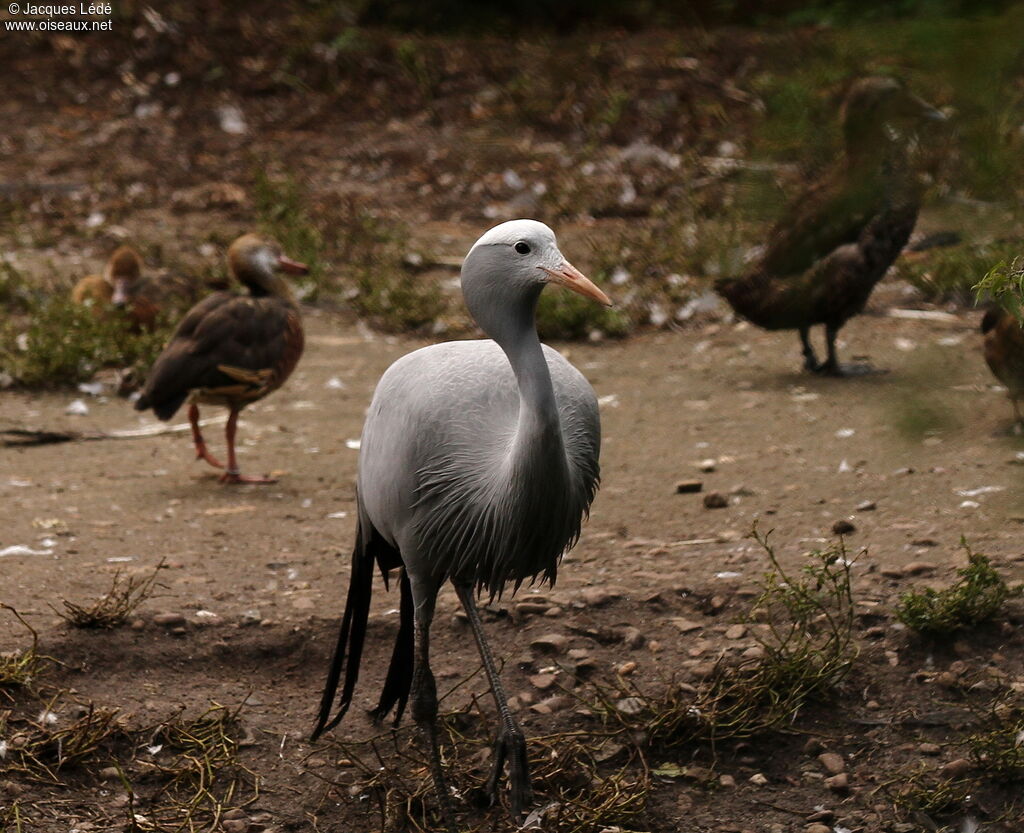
point(292, 267)
point(572, 278)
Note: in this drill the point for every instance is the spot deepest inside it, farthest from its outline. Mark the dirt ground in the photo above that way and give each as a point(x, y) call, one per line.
point(107, 145)
point(793, 452)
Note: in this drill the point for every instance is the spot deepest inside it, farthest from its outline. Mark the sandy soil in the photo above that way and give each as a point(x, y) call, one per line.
point(794, 453)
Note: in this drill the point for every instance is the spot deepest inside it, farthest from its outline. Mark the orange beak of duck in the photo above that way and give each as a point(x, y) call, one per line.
point(572, 278)
point(292, 267)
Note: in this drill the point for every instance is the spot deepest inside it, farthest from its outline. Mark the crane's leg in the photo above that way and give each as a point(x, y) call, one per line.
point(810, 360)
point(511, 742)
point(423, 696)
point(231, 473)
point(198, 441)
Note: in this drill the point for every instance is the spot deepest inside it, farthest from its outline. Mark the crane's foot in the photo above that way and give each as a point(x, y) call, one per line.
point(238, 477)
point(511, 746)
point(203, 454)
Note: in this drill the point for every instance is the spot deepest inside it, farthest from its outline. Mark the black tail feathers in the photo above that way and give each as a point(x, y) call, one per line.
point(399, 680)
point(350, 637)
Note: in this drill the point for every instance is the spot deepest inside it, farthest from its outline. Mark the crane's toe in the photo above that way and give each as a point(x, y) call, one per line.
point(842, 371)
point(511, 747)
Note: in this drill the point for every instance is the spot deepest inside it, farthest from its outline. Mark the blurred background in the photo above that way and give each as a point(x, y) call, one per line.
point(377, 140)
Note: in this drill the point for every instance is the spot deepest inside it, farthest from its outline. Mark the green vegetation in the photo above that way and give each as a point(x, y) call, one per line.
point(804, 626)
point(20, 668)
point(998, 749)
point(977, 596)
point(64, 343)
point(959, 273)
point(1004, 284)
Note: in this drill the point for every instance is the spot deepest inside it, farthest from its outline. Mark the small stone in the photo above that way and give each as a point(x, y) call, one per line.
point(626, 669)
point(838, 783)
point(726, 781)
point(685, 625)
point(843, 527)
point(757, 779)
point(251, 617)
point(553, 612)
point(169, 620)
point(181, 630)
point(956, 769)
point(109, 773)
point(832, 762)
point(715, 500)
point(867, 506)
point(736, 632)
point(551, 643)
point(633, 638)
point(531, 608)
point(917, 568)
point(684, 487)
point(542, 681)
point(598, 596)
point(813, 747)
point(138, 624)
point(235, 825)
point(817, 828)
point(631, 706)
point(929, 749)
point(707, 465)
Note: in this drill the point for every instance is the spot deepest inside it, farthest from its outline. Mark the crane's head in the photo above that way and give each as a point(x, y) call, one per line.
point(523, 255)
point(258, 261)
point(122, 270)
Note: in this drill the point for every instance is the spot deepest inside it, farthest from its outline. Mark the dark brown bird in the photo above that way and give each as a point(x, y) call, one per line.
point(231, 349)
point(121, 287)
point(836, 241)
point(1004, 353)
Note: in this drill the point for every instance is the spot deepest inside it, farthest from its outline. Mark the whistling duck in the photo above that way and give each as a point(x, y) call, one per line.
point(838, 239)
point(231, 349)
point(121, 287)
point(1004, 353)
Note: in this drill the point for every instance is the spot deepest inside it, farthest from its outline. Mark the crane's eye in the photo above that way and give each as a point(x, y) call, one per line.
point(522, 248)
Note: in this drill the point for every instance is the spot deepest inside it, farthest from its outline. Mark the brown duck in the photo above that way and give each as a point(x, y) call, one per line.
point(1004, 353)
point(838, 239)
point(231, 349)
point(121, 287)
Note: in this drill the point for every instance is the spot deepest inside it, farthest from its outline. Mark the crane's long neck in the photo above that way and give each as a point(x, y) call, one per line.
point(506, 313)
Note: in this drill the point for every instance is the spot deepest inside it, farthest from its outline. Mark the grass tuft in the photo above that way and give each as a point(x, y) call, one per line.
point(20, 668)
point(977, 596)
point(114, 607)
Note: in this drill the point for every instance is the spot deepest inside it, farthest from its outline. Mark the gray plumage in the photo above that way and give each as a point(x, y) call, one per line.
point(478, 462)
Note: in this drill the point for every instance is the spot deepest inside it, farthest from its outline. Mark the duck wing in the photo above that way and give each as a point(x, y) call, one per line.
point(227, 345)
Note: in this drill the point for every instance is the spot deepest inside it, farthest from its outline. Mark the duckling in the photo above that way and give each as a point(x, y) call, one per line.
point(231, 349)
point(1004, 354)
point(113, 287)
point(836, 241)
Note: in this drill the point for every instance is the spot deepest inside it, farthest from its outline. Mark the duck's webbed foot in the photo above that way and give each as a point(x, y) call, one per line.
point(237, 477)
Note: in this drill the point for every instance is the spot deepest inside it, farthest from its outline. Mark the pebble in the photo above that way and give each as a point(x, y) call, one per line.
point(684, 487)
point(551, 643)
point(630, 705)
point(108, 773)
point(832, 762)
point(726, 781)
point(956, 769)
point(917, 568)
point(626, 669)
point(707, 465)
point(531, 608)
point(598, 596)
point(633, 638)
point(736, 632)
point(929, 749)
point(813, 747)
point(817, 828)
point(838, 783)
point(843, 527)
point(715, 500)
point(685, 625)
point(169, 620)
point(542, 681)
point(758, 779)
point(235, 825)
point(867, 506)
